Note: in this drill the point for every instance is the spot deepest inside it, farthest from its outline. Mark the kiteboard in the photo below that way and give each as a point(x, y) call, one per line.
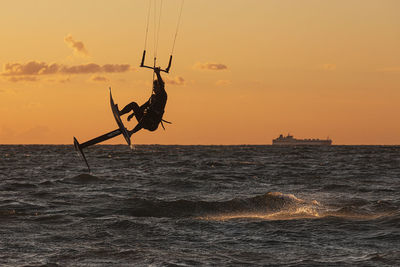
point(118, 120)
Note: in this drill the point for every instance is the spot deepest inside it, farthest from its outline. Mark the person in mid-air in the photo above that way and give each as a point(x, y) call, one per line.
point(149, 115)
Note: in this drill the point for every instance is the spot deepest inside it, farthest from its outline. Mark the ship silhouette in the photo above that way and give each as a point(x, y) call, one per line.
point(289, 140)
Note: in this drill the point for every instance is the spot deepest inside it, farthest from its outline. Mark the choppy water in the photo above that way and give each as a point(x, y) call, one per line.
point(200, 205)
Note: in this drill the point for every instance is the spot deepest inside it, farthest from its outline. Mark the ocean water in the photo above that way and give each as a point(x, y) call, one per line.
point(200, 206)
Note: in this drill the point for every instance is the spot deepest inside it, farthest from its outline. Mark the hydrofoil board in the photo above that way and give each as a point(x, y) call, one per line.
point(121, 130)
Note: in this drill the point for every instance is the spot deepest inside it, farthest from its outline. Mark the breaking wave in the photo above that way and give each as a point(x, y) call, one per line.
point(269, 203)
point(269, 206)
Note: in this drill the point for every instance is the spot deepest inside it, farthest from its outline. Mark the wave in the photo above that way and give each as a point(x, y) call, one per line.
point(269, 206)
point(269, 203)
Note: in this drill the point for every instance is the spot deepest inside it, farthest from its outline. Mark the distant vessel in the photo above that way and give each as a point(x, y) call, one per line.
point(289, 140)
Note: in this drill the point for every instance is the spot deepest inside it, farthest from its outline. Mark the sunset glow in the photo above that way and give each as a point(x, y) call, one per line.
point(243, 71)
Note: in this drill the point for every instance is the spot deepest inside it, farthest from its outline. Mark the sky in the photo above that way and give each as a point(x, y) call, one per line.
point(244, 71)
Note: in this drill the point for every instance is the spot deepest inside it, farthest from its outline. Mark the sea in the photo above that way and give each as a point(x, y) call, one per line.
point(162, 205)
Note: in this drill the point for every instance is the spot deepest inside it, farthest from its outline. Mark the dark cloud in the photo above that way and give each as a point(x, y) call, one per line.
point(110, 68)
point(95, 68)
point(35, 68)
point(30, 68)
point(210, 66)
point(175, 81)
point(81, 69)
point(77, 46)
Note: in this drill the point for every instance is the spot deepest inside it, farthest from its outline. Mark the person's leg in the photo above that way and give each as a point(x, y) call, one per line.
point(137, 111)
point(131, 106)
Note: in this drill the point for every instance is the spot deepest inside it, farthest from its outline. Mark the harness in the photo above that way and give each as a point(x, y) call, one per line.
point(162, 124)
point(152, 117)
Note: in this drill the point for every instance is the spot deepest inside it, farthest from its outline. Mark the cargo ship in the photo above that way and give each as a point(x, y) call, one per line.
point(289, 140)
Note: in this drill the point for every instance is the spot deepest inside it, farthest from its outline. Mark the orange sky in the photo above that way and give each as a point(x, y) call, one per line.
point(243, 71)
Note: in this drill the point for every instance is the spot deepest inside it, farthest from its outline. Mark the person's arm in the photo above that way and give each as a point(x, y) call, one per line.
point(159, 79)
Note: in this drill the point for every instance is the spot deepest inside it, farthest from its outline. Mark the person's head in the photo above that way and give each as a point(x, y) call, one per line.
point(155, 83)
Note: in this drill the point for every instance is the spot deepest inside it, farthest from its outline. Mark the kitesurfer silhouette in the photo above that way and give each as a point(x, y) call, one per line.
point(149, 115)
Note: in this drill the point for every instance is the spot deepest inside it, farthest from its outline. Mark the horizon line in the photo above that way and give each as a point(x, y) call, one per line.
point(148, 144)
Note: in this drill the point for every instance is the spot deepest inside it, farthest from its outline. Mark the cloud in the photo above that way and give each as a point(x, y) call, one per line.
point(223, 82)
point(111, 68)
point(175, 81)
point(95, 68)
point(81, 69)
point(30, 68)
point(59, 80)
point(328, 67)
point(210, 66)
point(35, 68)
point(77, 46)
point(97, 78)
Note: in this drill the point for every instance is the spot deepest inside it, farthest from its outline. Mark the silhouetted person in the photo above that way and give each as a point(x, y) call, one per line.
point(149, 115)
